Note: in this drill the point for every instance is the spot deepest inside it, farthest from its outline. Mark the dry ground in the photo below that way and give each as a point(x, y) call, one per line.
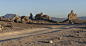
point(40, 35)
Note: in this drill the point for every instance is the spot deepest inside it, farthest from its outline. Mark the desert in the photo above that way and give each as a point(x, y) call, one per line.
point(42, 22)
point(42, 31)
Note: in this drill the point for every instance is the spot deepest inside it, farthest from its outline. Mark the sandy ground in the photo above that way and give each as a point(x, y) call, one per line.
point(12, 26)
point(61, 35)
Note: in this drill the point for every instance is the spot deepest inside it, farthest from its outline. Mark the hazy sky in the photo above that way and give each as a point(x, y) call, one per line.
point(53, 8)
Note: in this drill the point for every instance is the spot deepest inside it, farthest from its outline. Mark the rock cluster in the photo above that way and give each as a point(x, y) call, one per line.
point(42, 17)
point(25, 19)
point(22, 19)
point(16, 19)
point(39, 16)
point(72, 16)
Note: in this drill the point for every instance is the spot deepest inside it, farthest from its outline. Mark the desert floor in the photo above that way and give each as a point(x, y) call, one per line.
point(40, 35)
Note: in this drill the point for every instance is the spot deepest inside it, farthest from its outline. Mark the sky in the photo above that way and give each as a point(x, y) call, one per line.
point(53, 8)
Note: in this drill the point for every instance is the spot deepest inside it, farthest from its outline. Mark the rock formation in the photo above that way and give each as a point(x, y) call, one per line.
point(16, 16)
point(24, 17)
point(23, 21)
point(16, 19)
point(31, 16)
point(4, 19)
point(42, 17)
point(39, 16)
point(72, 19)
point(72, 16)
point(47, 17)
point(29, 20)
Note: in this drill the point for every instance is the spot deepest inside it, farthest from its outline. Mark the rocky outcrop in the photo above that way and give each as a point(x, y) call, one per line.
point(23, 21)
point(4, 19)
point(47, 17)
point(42, 17)
point(16, 19)
point(39, 16)
point(72, 16)
point(31, 16)
point(24, 17)
point(72, 19)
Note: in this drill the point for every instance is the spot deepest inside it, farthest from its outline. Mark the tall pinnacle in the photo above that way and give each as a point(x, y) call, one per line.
point(72, 12)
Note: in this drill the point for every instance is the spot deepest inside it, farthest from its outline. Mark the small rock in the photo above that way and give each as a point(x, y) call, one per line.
point(50, 41)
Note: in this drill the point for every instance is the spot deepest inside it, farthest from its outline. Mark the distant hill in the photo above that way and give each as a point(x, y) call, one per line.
point(9, 16)
point(62, 19)
point(82, 18)
point(58, 19)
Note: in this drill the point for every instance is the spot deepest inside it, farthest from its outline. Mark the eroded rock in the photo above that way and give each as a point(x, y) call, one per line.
point(31, 16)
point(72, 16)
point(42, 17)
point(47, 17)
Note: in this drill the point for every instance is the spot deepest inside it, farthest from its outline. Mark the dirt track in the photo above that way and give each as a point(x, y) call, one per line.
point(61, 35)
